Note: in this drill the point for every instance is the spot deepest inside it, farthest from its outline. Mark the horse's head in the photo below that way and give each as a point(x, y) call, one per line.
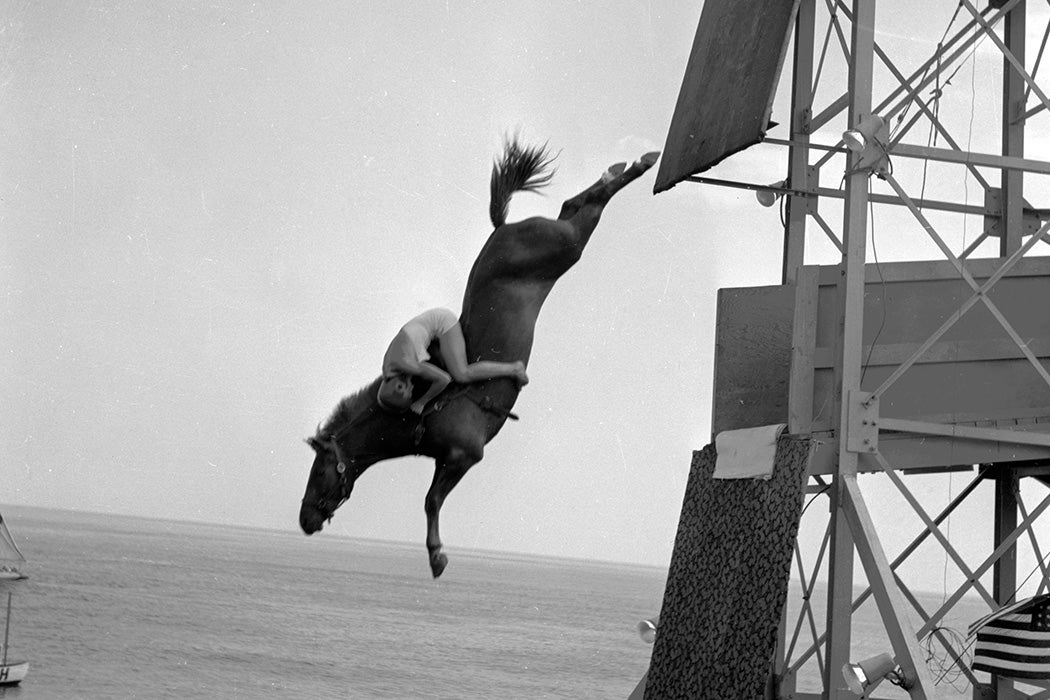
point(358, 434)
point(331, 481)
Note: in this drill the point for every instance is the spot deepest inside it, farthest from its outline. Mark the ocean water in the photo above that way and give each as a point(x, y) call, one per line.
point(120, 607)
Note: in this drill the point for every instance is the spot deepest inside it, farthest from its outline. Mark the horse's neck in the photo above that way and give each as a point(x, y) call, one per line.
point(380, 435)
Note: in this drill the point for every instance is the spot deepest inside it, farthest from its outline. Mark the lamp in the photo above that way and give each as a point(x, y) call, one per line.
point(870, 128)
point(767, 196)
point(647, 629)
point(861, 676)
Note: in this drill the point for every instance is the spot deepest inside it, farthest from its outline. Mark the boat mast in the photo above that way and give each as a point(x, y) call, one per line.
point(7, 628)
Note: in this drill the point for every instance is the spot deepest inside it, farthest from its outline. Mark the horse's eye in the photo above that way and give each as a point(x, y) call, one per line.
point(340, 467)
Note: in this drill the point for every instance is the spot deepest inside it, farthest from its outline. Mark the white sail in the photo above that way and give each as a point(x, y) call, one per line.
point(11, 558)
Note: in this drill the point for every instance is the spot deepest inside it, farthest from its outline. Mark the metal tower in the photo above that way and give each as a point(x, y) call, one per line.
point(896, 368)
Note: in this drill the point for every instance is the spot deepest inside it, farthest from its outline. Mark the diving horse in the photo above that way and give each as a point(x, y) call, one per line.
point(511, 278)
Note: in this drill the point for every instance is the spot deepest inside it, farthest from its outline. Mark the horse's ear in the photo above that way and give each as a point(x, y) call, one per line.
point(314, 443)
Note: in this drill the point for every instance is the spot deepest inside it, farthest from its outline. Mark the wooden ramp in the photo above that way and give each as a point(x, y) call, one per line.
point(728, 579)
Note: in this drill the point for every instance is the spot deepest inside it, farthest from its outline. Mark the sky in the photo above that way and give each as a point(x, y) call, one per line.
point(215, 215)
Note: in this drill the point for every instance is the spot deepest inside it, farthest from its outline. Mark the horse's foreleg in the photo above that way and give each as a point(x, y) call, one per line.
point(447, 474)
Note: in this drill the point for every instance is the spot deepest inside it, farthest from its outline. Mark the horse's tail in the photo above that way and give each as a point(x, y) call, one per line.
point(522, 169)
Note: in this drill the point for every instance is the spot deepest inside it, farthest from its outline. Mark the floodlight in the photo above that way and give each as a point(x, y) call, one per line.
point(647, 630)
point(861, 676)
point(768, 197)
point(861, 137)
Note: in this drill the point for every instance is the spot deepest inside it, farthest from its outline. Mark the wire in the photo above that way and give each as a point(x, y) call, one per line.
point(946, 666)
point(950, 671)
point(813, 498)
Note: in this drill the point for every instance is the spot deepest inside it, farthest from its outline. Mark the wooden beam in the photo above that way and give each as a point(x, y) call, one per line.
point(1018, 437)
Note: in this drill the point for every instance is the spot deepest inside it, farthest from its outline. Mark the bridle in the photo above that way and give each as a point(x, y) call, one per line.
point(341, 492)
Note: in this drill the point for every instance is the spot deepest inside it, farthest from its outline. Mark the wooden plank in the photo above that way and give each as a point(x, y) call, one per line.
point(752, 357)
point(925, 453)
point(975, 350)
point(931, 270)
point(804, 330)
point(1018, 437)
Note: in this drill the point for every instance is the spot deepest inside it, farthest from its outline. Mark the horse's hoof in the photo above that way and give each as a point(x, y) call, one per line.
point(613, 172)
point(648, 160)
point(438, 562)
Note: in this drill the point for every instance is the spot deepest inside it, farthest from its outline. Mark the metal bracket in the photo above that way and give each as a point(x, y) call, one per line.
point(862, 422)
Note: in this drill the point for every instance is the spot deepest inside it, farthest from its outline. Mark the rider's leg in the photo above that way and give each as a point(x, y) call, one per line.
point(453, 350)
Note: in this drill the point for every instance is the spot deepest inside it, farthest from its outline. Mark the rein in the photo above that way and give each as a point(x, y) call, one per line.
point(484, 402)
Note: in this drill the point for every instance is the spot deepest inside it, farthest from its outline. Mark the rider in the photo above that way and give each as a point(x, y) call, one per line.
point(407, 358)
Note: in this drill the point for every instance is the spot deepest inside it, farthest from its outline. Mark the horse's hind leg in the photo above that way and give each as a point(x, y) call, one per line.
point(612, 181)
point(447, 474)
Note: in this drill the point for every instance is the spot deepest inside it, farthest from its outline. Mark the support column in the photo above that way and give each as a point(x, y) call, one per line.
point(798, 154)
point(1014, 87)
point(855, 220)
point(1004, 575)
point(1004, 572)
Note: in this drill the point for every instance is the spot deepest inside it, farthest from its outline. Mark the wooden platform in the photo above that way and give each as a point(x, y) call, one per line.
point(775, 354)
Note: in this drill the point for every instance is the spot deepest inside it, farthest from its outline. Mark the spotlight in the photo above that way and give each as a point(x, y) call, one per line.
point(862, 676)
point(647, 629)
point(870, 128)
point(769, 197)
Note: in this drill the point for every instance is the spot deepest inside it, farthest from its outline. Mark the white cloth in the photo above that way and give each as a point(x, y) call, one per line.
point(747, 453)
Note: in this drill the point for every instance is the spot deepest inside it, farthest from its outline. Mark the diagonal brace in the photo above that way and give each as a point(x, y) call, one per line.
point(887, 595)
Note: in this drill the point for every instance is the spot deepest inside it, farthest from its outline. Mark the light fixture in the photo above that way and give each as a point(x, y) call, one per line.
point(870, 129)
point(647, 629)
point(768, 196)
point(862, 676)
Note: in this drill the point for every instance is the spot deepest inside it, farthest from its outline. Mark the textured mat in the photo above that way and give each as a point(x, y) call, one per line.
point(728, 580)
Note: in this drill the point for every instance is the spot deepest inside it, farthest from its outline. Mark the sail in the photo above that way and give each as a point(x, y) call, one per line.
point(11, 558)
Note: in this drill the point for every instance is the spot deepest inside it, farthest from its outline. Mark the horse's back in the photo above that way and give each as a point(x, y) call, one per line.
point(533, 250)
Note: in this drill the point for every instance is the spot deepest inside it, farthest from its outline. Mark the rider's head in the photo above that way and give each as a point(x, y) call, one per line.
point(395, 392)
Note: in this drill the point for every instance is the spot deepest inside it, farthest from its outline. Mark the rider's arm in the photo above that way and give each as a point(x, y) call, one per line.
point(438, 378)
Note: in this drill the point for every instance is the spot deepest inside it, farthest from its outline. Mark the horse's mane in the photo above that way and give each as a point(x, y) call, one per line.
point(348, 408)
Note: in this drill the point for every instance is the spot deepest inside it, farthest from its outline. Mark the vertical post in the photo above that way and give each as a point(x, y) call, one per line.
point(798, 153)
point(1013, 131)
point(1004, 575)
point(855, 220)
point(795, 230)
